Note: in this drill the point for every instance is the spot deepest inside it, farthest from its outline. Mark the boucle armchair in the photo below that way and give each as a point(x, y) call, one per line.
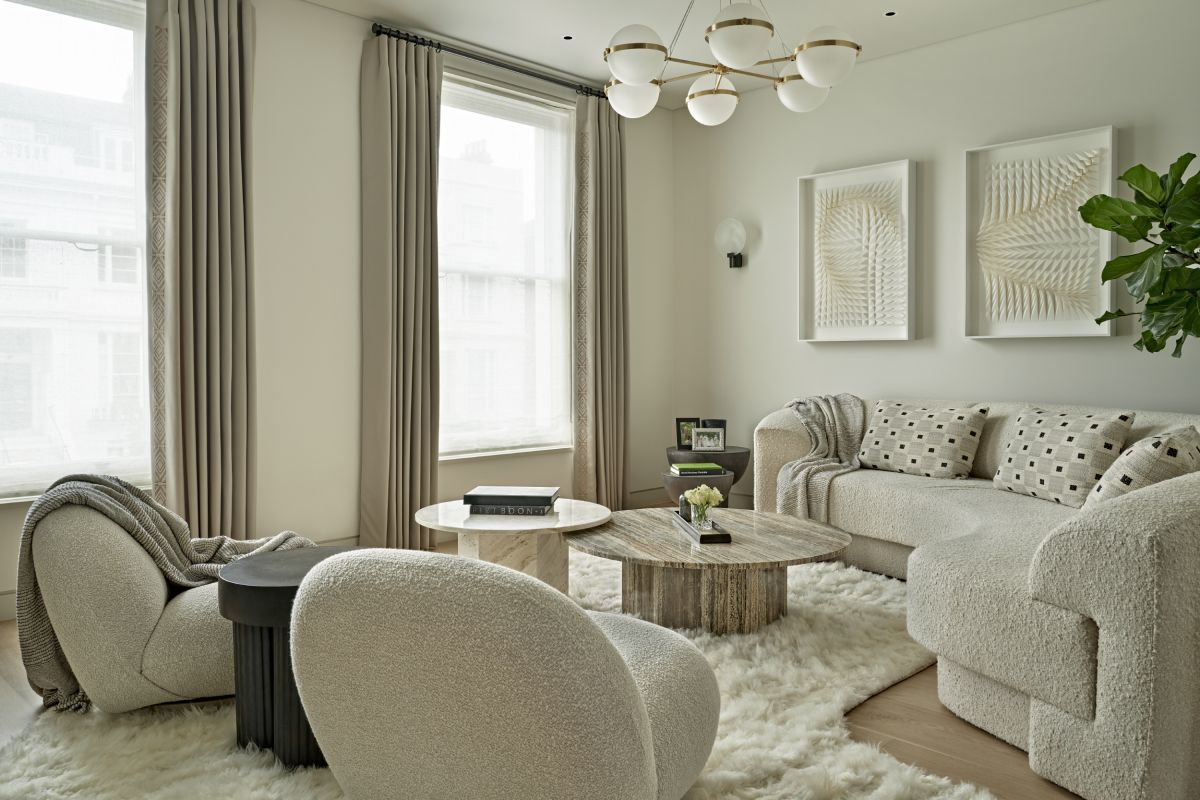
point(131, 640)
point(431, 676)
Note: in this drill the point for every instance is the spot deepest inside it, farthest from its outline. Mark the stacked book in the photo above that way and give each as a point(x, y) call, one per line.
point(697, 470)
point(521, 501)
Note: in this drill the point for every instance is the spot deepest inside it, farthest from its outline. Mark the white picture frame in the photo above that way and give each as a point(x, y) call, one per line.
point(870, 295)
point(1014, 287)
point(708, 440)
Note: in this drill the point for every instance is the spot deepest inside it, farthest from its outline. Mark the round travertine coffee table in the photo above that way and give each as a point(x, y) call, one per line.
point(738, 587)
point(533, 545)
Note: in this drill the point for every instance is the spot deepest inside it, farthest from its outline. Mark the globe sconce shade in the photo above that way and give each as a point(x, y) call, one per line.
point(797, 94)
point(730, 239)
point(632, 100)
point(636, 55)
point(740, 35)
point(826, 57)
point(712, 99)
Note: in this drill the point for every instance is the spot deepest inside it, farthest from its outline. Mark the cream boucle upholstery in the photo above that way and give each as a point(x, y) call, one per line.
point(129, 643)
point(431, 676)
point(970, 603)
point(1071, 633)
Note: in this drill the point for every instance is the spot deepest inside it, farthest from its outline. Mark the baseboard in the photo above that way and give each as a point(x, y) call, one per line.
point(646, 498)
point(8, 605)
point(349, 541)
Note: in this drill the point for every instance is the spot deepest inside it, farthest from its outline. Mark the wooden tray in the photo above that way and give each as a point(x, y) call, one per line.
point(717, 535)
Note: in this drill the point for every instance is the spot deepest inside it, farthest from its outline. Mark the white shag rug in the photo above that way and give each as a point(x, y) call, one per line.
point(784, 692)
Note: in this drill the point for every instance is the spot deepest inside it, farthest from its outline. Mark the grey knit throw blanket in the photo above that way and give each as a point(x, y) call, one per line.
point(184, 561)
point(834, 424)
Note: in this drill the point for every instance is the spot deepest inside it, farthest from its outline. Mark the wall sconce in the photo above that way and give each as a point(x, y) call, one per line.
point(730, 239)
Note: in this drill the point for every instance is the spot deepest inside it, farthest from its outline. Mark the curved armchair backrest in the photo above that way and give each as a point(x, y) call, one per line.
point(433, 676)
point(104, 597)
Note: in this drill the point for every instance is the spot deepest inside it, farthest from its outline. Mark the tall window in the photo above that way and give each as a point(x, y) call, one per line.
point(73, 374)
point(504, 224)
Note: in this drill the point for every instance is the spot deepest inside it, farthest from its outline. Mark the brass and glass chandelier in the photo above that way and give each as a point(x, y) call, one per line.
point(740, 40)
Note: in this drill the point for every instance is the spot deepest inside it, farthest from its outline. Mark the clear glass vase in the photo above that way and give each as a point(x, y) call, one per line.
point(700, 519)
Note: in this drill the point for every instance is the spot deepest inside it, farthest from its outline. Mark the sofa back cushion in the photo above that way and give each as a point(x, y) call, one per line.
point(1060, 456)
point(933, 441)
point(1001, 421)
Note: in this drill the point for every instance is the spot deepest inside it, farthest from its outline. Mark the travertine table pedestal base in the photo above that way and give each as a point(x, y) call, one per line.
point(542, 555)
point(717, 599)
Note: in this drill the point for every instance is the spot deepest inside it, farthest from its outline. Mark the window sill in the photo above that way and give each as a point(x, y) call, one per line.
point(558, 448)
point(5, 501)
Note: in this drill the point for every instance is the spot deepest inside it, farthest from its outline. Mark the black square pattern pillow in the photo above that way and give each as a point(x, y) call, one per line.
point(1151, 460)
point(933, 442)
point(1060, 457)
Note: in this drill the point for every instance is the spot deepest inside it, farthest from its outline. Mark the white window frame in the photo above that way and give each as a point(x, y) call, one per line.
point(463, 74)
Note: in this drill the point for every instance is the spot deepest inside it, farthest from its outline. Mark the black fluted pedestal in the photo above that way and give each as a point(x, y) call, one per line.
point(256, 594)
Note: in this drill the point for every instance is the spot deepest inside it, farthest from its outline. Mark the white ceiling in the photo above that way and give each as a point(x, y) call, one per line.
point(533, 31)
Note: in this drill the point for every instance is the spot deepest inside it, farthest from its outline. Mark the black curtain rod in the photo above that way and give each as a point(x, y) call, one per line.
point(580, 88)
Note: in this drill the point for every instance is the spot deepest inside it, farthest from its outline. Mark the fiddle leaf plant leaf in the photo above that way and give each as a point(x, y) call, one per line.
point(1165, 277)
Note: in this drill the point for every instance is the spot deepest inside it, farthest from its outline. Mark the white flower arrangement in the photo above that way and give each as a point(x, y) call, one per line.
point(703, 496)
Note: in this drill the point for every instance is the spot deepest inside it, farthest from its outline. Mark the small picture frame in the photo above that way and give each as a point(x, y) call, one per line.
point(706, 440)
point(683, 431)
point(712, 423)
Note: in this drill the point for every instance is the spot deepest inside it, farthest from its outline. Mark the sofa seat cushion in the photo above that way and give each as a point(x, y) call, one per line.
point(680, 692)
point(190, 653)
point(969, 601)
point(913, 510)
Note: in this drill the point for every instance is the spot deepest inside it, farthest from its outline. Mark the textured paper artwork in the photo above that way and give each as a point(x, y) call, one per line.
point(1034, 265)
point(856, 237)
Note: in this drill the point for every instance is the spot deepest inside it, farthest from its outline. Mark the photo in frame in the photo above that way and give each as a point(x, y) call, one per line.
point(708, 439)
point(683, 431)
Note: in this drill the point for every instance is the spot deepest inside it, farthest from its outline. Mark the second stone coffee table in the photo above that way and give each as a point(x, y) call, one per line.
point(530, 544)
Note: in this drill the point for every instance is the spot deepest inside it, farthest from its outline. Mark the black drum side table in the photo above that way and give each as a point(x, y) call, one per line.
point(256, 594)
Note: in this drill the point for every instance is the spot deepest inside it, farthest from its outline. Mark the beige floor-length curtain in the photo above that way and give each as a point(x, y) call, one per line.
point(200, 70)
point(401, 116)
point(601, 307)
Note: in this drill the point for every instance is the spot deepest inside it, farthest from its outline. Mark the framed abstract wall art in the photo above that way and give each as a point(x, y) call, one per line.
point(1033, 265)
point(856, 253)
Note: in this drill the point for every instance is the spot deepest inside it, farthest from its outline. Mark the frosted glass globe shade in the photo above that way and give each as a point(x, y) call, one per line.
point(730, 236)
point(740, 35)
point(712, 99)
point(797, 94)
point(637, 64)
point(824, 64)
point(632, 100)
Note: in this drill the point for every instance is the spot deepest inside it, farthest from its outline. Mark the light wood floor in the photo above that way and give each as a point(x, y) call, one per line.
point(906, 721)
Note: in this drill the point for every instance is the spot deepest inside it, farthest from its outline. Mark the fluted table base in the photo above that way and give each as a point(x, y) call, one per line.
point(718, 599)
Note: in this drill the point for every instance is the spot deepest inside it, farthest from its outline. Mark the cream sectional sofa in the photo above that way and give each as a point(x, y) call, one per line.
point(1072, 634)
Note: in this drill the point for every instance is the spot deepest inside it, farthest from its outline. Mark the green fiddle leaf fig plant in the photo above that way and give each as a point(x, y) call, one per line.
point(1164, 214)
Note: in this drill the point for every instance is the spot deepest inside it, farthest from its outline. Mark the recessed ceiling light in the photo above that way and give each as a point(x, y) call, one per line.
point(568, 37)
point(889, 13)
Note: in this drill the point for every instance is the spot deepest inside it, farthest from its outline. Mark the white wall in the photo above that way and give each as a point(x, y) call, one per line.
point(1111, 62)
point(306, 229)
point(650, 199)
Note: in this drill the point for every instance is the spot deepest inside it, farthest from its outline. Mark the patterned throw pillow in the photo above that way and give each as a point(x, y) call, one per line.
point(934, 442)
point(1151, 460)
point(1060, 457)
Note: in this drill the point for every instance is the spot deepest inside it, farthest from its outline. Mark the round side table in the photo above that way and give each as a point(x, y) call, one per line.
point(533, 545)
point(734, 459)
point(256, 593)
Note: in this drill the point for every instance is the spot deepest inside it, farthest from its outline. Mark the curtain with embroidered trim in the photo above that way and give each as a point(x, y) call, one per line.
point(200, 67)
